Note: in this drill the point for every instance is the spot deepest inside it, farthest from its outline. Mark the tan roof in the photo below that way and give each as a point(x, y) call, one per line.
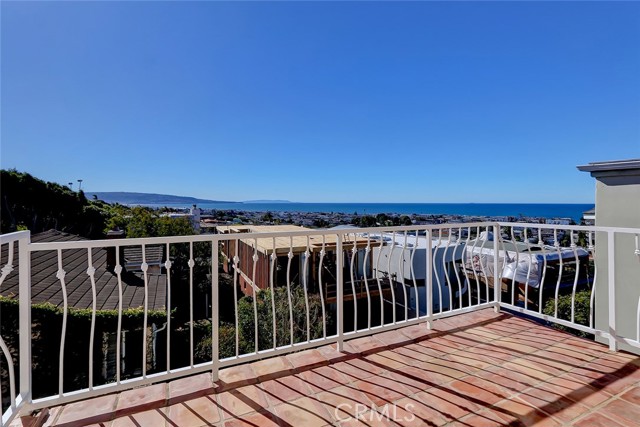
point(297, 244)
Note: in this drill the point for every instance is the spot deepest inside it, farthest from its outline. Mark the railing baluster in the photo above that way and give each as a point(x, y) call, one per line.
point(236, 261)
point(340, 292)
point(530, 264)
point(497, 279)
point(167, 265)
point(413, 272)
point(401, 261)
point(446, 270)
point(391, 285)
point(365, 272)
point(575, 279)
point(118, 271)
point(145, 319)
point(482, 267)
point(556, 244)
point(91, 271)
point(8, 268)
point(272, 267)
point(541, 282)
point(255, 294)
point(435, 269)
point(455, 268)
point(354, 255)
point(592, 250)
point(429, 279)
point(289, 258)
point(10, 369)
point(191, 263)
point(465, 255)
point(60, 275)
point(215, 310)
point(305, 279)
point(380, 293)
point(320, 287)
point(515, 268)
point(24, 312)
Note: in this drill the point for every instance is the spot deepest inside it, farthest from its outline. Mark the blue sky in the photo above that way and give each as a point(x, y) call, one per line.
point(322, 102)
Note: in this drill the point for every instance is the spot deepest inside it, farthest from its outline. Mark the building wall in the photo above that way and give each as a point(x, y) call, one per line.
point(618, 205)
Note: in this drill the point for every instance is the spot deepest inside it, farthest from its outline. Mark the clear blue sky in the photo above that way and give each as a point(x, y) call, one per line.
point(331, 102)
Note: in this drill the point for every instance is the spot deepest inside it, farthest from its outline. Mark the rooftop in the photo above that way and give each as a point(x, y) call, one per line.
point(282, 245)
point(45, 285)
point(474, 369)
point(614, 165)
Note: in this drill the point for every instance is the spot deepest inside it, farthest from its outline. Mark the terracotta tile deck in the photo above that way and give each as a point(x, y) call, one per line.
point(477, 369)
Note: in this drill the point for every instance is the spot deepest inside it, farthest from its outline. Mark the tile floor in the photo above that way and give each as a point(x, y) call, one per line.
point(476, 369)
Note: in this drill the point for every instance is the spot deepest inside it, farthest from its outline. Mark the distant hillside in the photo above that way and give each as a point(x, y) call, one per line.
point(31, 203)
point(267, 201)
point(127, 198)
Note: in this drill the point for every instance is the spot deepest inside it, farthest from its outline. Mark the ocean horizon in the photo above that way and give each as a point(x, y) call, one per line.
point(540, 210)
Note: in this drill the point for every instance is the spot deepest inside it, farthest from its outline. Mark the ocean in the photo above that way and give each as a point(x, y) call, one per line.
point(543, 210)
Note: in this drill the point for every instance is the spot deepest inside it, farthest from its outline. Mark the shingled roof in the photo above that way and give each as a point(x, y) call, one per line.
point(45, 286)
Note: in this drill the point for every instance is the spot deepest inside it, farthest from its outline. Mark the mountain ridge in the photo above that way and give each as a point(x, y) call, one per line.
point(131, 198)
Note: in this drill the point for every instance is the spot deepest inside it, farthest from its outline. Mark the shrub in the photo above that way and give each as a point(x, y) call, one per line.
point(582, 307)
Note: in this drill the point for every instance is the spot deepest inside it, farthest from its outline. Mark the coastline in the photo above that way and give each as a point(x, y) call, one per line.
point(467, 210)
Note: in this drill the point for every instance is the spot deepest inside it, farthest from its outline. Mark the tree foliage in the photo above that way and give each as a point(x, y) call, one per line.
point(582, 306)
point(246, 323)
point(46, 332)
point(31, 203)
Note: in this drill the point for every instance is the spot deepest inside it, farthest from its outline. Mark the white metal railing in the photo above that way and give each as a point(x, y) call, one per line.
point(20, 397)
point(384, 278)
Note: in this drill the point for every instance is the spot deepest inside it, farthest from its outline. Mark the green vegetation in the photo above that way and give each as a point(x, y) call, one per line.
point(46, 331)
point(582, 310)
point(37, 205)
point(246, 323)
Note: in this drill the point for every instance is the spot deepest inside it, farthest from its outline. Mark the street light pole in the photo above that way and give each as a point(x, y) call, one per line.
point(79, 184)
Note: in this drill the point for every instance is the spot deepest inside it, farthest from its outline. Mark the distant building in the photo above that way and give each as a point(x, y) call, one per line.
point(559, 221)
point(194, 215)
point(298, 255)
point(589, 217)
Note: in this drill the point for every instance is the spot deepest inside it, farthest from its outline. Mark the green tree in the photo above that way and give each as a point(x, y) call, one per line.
point(366, 221)
point(405, 220)
point(581, 307)
point(40, 205)
point(246, 323)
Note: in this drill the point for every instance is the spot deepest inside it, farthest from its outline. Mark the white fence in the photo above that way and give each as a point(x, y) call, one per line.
point(305, 289)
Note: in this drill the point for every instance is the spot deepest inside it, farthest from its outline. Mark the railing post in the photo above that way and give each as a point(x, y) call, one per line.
point(611, 267)
point(215, 307)
point(429, 277)
point(340, 292)
point(497, 286)
point(24, 310)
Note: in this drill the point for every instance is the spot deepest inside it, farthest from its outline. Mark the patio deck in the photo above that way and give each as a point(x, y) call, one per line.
point(475, 369)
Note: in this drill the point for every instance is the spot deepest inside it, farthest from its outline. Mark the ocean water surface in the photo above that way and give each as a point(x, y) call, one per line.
point(543, 210)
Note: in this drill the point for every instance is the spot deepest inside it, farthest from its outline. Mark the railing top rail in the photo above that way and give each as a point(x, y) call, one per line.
point(83, 244)
point(570, 227)
point(12, 237)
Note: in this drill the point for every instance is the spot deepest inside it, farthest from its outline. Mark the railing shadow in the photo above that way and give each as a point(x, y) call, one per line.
point(410, 375)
